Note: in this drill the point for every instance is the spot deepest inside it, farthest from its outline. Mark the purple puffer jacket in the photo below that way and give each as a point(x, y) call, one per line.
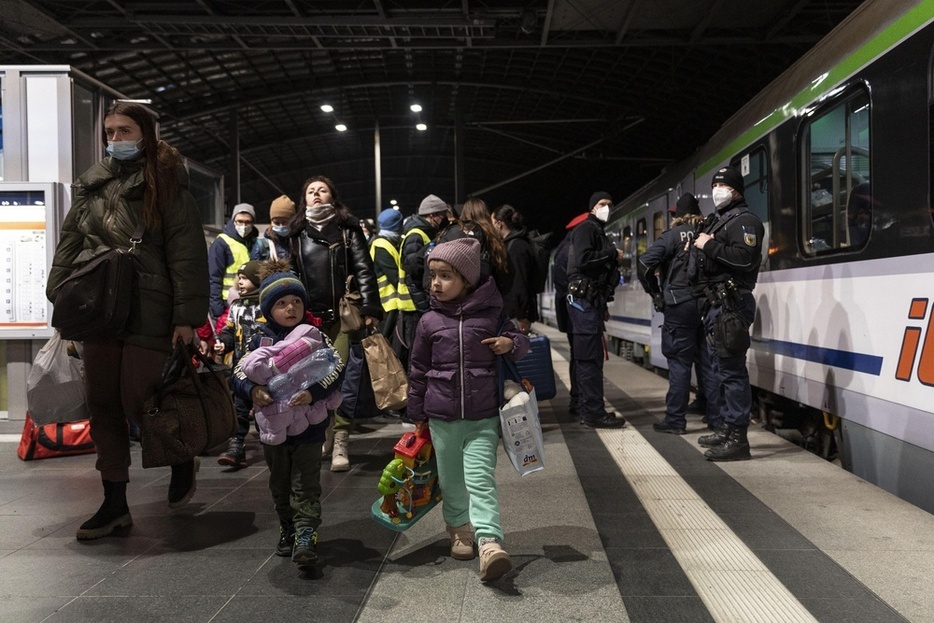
point(452, 375)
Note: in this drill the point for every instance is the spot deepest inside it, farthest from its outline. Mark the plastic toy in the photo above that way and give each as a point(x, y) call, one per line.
point(409, 483)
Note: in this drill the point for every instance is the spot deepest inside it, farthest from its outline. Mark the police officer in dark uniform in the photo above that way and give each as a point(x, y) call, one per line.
point(593, 274)
point(683, 331)
point(725, 268)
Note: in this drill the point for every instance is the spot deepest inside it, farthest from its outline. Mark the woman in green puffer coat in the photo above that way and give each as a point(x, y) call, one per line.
point(143, 180)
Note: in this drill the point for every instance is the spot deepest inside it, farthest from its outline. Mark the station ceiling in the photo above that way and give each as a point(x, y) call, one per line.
point(553, 98)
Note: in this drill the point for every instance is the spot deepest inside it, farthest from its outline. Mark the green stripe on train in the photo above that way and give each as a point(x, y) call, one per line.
point(901, 29)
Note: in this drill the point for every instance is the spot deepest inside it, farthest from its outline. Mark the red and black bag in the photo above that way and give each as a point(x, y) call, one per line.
point(56, 439)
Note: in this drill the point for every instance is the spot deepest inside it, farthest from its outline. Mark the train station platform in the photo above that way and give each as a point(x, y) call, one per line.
point(623, 525)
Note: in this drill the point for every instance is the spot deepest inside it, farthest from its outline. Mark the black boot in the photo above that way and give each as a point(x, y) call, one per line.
point(735, 448)
point(234, 456)
point(112, 516)
point(183, 484)
point(719, 435)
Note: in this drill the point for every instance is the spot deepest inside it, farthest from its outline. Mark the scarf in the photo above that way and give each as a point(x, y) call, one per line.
point(320, 215)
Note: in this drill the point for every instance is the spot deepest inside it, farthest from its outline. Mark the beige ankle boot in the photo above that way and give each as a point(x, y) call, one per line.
point(340, 458)
point(494, 561)
point(461, 542)
point(328, 446)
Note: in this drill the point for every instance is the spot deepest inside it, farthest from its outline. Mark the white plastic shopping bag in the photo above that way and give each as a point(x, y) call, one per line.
point(55, 385)
point(522, 430)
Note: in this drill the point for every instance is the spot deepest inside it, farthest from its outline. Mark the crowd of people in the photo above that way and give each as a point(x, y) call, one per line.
point(264, 302)
point(451, 289)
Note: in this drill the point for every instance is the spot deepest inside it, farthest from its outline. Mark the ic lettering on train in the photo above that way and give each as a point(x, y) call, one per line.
point(911, 339)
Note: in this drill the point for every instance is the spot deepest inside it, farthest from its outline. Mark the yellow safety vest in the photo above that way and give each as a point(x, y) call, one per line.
point(405, 298)
point(241, 255)
point(388, 295)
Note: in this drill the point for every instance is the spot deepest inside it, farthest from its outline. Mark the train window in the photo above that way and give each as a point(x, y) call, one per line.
point(837, 213)
point(625, 266)
point(659, 225)
point(642, 236)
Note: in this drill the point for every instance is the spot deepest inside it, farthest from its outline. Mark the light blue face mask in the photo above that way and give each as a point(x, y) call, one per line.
point(123, 150)
point(280, 230)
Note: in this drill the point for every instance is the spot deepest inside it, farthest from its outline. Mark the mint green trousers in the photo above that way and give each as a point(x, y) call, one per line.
point(465, 451)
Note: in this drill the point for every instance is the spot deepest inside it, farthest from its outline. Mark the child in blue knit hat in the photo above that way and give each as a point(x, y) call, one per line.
point(291, 429)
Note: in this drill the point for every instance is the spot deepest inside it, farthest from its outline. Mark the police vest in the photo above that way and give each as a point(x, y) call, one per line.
point(241, 255)
point(405, 298)
point(388, 294)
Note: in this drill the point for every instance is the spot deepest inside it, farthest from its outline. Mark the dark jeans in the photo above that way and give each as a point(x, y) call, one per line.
point(731, 378)
point(295, 482)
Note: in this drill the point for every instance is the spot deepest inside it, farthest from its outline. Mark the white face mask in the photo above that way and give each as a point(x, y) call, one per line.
point(721, 196)
point(602, 213)
point(243, 230)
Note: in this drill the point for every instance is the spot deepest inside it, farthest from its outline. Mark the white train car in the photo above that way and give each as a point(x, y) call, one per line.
point(838, 160)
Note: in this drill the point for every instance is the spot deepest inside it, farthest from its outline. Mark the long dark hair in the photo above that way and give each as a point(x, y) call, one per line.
point(342, 212)
point(161, 162)
point(475, 213)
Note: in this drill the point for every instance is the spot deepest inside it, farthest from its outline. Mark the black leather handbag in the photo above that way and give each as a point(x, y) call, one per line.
point(94, 300)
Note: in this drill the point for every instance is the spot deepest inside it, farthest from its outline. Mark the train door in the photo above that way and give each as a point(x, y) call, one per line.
point(754, 167)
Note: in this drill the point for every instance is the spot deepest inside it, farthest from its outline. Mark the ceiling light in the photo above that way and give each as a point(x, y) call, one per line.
point(393, 202)
point(415, 108)
point(421, 127)
point(327, 108)
point(340, 127)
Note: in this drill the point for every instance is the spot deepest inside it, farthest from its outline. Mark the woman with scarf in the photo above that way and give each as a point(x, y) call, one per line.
point(327, 246)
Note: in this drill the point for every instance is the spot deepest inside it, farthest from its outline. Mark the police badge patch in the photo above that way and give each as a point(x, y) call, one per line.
point(749, 238)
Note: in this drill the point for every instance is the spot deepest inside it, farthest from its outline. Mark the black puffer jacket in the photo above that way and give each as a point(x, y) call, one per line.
point(171, 287)
point(323, 262)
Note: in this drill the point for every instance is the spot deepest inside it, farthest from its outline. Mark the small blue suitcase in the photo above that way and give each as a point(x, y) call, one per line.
point(537, 368)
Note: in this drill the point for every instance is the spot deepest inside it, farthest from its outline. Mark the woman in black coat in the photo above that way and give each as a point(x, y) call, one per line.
point(520, 301)
point(328, 246)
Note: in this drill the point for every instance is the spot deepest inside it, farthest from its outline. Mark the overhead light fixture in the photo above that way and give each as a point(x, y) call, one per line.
point(393, 202)
point(327, 108)
point(415, 108)
point(340, 127)
point(421, 127)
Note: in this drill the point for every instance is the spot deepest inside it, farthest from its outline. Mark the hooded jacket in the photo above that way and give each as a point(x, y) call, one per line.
point(453, 376)
point(220, 258)
point(323, 263)
point(171, 283)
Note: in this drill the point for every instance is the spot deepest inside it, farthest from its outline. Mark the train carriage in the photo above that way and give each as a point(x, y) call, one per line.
point(837, 160)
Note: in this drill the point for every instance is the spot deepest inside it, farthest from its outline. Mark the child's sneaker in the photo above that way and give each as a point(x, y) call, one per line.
point(461, 542)
point(286, 539)
point(304, 551)
point(494, 561)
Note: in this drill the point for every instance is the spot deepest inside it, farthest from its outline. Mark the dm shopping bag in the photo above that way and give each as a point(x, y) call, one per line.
point(518, 415)
point(390, 383)
point(55, 385)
